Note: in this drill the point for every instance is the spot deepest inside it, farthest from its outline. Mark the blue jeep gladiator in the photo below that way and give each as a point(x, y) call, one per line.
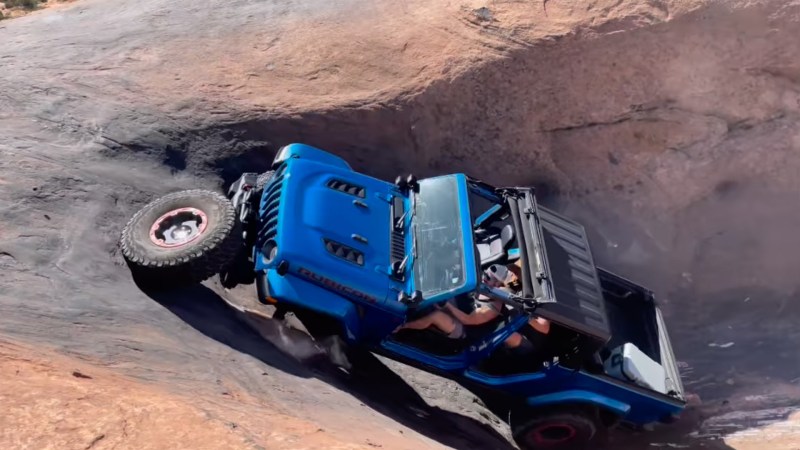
point(354, 256)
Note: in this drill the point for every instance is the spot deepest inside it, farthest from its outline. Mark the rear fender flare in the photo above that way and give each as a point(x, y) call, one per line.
point(604, 403)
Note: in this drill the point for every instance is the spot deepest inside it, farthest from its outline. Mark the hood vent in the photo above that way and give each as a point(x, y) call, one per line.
point(398, 246)
point(347, 188)
point(342, 251)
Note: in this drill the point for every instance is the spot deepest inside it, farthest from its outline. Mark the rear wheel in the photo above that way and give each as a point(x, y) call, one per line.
point(181, 238)
point(558, 429)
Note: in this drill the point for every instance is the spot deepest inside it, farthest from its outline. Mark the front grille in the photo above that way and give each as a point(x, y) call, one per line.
point(270, 204)
point(342, 251)
point(347, 188)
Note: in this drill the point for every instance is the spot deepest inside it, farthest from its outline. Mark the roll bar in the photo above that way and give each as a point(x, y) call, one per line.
point(528, 305)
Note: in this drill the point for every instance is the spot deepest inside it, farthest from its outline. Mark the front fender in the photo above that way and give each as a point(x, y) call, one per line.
point(580, 396)
point(308, 152)
point(293, 291)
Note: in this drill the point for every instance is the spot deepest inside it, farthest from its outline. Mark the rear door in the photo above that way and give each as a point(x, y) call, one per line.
point(668, 362)
point(561, 274)
point(571, 290)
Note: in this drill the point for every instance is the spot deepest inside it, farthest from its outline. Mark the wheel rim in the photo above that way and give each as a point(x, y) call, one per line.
point(552, 434)
point(178, 227)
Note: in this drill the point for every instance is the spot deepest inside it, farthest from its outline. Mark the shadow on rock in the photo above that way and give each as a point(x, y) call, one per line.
point(372, 382)
point(202, 309)
point(296, 353)
point(388, 393)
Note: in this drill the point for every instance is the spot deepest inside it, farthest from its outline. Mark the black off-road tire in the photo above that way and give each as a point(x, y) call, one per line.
point(560, 428)
point(240, 270)
point(155, 267)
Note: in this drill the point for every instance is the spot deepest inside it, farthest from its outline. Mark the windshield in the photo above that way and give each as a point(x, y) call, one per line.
point(439, 265)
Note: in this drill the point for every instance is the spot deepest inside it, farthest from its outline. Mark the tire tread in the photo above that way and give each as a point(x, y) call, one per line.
point(217, 250)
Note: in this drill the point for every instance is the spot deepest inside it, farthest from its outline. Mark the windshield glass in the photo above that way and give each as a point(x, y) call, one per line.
point(439, 265)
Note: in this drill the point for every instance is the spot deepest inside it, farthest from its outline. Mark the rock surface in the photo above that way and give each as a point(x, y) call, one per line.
point(668, 127)
point(59, 402)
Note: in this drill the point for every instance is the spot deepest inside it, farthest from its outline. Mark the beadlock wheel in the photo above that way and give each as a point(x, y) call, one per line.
point(551, 434)
point(181, 238)
point(178, 227)
point(558, 428)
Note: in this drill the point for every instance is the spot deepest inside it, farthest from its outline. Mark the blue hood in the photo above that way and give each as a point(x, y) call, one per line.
point(334, 224)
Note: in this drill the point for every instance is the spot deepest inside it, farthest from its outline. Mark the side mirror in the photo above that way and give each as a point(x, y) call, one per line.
point(401, 183)
point(412, 183)
point(402, 297)
point(397, 270)
point(407, 184)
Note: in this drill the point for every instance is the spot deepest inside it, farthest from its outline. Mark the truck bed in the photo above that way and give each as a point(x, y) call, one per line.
point(631, 314)
point(635, 318)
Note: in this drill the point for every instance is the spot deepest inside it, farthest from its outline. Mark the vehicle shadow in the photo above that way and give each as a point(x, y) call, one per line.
point(385, 391)
point(202, 309)
point(376, 385)
point(295, 353)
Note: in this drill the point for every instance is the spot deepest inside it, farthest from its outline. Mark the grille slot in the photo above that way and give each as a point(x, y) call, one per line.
point(347, 188)
point(270, 206)
point(342, 251)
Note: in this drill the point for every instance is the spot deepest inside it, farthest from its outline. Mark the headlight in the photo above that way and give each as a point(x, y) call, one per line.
point(269, 251)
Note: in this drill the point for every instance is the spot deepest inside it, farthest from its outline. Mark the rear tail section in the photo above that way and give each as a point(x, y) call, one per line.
point(636, 319)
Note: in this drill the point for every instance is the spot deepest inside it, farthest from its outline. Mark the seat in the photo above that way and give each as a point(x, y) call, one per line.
point(493, 248)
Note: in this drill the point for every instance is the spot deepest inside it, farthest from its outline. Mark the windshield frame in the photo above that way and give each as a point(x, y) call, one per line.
point(468, 249)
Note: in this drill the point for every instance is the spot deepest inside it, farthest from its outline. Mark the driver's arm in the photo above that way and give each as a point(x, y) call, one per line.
point(481, 314)
point(540, 324)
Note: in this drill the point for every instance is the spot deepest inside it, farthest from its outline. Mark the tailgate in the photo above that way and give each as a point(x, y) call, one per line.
point(668, 362)
point(636, 319)
point(561, 273)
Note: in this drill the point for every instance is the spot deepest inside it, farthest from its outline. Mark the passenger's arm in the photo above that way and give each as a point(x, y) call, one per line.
point(480, 315)
point(540, 324)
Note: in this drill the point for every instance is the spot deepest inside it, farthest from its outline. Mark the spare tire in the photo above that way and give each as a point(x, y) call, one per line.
point(180, 239)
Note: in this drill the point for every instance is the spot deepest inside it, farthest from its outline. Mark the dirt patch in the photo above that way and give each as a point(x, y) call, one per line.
point(776, 433)
point(52, 401)
point(10, 9)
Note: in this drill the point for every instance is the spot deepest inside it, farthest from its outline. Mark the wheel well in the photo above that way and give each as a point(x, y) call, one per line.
point(575, 414)
point(608, 418)
point(605, 417)
point(319, 325)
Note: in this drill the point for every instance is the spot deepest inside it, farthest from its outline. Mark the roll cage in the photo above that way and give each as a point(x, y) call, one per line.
point(559, 278)
point(573, 300)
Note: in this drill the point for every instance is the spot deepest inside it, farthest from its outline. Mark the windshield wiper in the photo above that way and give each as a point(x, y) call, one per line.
point(399, 223)
point(398, 268)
